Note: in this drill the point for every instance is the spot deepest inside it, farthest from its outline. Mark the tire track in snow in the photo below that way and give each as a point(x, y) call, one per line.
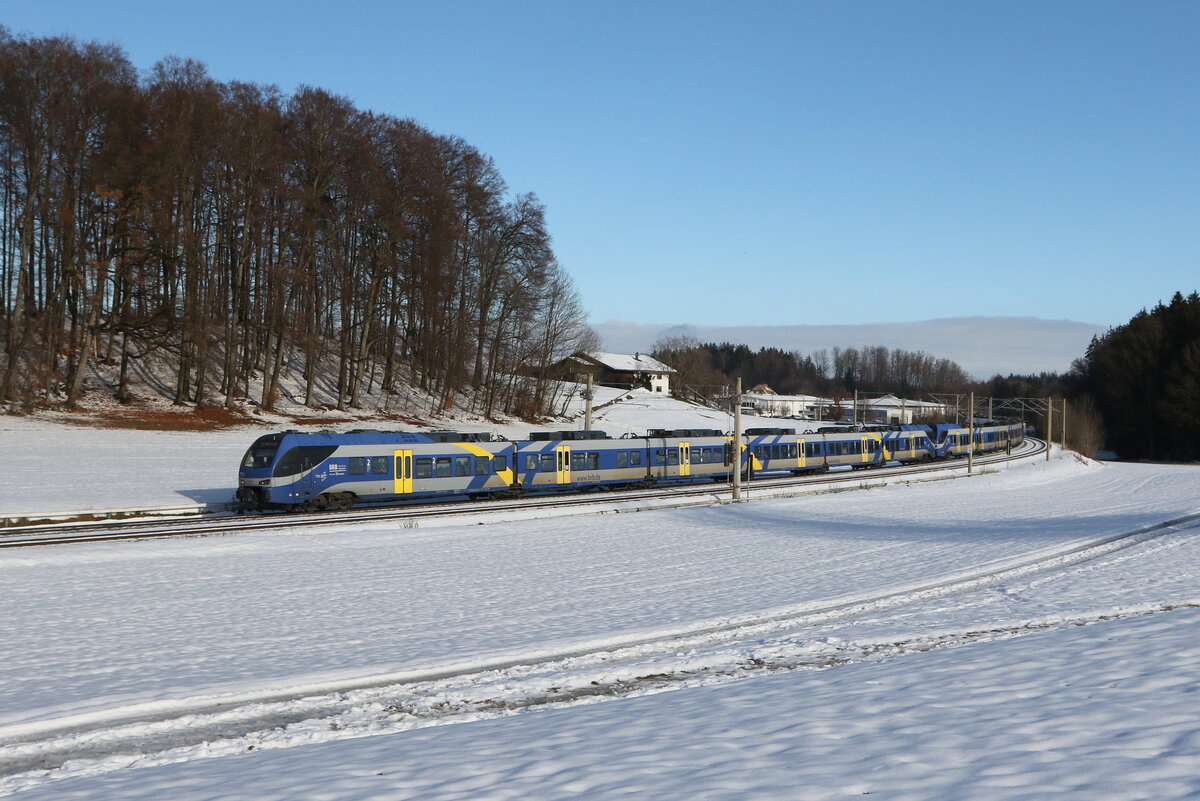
point(174, 730)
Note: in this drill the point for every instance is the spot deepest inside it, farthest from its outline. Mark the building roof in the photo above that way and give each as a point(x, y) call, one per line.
point(625, 363)
point(893, 401)
point(775, 396)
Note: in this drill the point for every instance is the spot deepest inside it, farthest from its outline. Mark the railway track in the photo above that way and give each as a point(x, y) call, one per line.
point(704, 653)
point(412, 516)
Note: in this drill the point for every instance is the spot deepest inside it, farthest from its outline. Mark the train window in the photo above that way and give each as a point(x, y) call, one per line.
point(578, 461)
point(531, 461)
point(462, 465)
point(635, 458)
point(660, 456)
point(443, 466)
point(379, 465)
point(302, 458)
point(622, 458)
point(549, 463)
point(672, 456)
point(483, 465)
point(358, 465)
point(424, 467)
point(499, 463)
point(261, 455)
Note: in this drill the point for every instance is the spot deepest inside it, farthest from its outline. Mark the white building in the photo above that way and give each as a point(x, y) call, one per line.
point(887, 409)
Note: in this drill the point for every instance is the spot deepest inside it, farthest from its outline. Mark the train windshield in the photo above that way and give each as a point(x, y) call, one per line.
point(261, 453)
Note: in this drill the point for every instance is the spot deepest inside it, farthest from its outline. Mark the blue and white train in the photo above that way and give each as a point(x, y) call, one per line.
point(325, 470)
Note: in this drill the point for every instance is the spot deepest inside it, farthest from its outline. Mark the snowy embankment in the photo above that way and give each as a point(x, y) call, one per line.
point(1077, 680)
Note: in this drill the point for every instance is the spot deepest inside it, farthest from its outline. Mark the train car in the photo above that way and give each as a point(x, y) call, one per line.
point(573, 460)
point(909, 443)
point(955, 440)
point(565, 460)
point(998, 436)
point(688, 454)
point(327, 470)
point(951, 440)
point(781, 450)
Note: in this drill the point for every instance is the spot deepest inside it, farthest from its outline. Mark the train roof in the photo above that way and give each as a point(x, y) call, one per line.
point(682, 433)
point(543, 436)
point(369, 436)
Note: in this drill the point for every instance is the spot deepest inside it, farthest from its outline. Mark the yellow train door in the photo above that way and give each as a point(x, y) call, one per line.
point(685, 459)
point(564, 464)
point(404, 472)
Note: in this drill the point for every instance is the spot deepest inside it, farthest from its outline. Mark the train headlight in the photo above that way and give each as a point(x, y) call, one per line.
point(266, 482)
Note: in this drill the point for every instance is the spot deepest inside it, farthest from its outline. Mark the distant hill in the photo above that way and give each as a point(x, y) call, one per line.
point(983, 346)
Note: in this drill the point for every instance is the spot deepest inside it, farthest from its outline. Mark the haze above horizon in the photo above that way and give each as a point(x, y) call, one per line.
point(709, 163)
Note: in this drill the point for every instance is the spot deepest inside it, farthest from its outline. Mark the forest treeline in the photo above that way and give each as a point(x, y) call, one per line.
point(831, 374)
point(1144, 377)
point(1136, 391)
point(235, 233)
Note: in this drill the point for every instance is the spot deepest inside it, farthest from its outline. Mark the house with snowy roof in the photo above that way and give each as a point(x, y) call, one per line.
point(618, 370)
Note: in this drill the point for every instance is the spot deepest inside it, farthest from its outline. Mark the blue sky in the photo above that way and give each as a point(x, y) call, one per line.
point(773, 163)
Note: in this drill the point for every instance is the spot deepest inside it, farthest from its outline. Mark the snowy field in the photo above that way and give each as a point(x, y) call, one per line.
point(961, 639)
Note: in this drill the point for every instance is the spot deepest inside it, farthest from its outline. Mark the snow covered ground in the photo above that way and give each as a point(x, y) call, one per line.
point(855, 644)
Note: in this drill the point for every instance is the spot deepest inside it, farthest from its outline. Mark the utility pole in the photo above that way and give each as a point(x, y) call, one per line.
point(855, 420)
point(971, 435)
point(1064, 424)
point(1049, 425)
point(587, 396)
point(737, 443)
